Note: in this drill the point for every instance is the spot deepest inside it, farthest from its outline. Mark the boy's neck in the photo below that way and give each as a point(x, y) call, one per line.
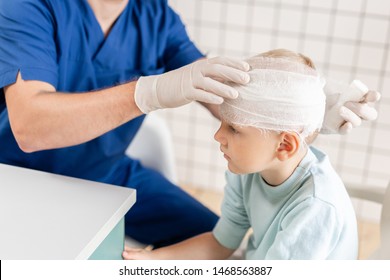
point(282, 170)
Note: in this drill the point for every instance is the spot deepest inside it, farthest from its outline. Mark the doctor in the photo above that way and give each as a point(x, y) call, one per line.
point(77, 77)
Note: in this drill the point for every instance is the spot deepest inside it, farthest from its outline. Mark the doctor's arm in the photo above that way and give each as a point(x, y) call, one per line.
point(42, 118)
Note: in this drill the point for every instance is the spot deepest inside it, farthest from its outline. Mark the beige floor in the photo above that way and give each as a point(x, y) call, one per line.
point(368, 231)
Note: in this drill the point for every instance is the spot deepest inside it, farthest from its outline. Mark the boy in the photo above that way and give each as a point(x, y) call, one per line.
point(285, 191)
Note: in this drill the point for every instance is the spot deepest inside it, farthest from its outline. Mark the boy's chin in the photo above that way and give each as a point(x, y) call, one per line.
point(235, 170)
point(240, 171)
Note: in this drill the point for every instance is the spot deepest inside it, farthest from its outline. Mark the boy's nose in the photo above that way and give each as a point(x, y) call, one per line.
point(218, 136)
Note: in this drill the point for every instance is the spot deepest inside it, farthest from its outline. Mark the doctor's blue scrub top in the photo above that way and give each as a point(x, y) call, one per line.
point(61, 43)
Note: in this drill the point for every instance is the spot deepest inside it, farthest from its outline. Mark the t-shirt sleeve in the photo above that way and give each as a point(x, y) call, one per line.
point(180, 50)
point(309, 231)
point(233, 223)
point(27, 42)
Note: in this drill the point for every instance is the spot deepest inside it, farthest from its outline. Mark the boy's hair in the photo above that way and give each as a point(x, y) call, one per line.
point(289, 55)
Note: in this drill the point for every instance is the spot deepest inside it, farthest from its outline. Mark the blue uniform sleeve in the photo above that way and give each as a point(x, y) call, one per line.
point(310, 231)
point(180, 50)
point(27, 42)
point(234, 223)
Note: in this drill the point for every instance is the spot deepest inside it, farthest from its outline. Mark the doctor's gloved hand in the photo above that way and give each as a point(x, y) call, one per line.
point(347, 106)
point(203, 80)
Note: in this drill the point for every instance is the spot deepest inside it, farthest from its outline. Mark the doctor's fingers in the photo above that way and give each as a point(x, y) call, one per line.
point(216, 87)
point(225, 73)
point(350, 116)
point(206, 97)
point(231, 62)
point(363, 110)
point(345, 128)
point(371, 96)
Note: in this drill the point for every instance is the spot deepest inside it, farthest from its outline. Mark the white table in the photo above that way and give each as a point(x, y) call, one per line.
point(47, 216)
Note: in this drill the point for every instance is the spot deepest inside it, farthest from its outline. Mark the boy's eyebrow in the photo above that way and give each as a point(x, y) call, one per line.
point(236, 127)
point(229, 123)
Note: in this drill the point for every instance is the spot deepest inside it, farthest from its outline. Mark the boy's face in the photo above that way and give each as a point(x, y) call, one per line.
point(247, 149)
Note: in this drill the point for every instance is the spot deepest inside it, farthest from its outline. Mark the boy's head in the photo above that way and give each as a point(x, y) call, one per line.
point(283, 104)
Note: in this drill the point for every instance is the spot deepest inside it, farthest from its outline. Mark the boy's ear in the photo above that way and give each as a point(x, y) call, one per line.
point(289, 144)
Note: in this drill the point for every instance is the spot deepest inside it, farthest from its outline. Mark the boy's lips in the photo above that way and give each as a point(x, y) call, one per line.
point(224, 154)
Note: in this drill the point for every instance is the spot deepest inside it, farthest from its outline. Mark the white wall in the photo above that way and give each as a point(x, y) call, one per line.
point(346, 39)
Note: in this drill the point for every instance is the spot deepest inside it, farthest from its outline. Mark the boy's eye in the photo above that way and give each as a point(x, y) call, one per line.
point(232, 129)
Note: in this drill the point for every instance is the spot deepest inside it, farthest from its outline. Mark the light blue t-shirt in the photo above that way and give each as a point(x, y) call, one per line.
point(309, 216)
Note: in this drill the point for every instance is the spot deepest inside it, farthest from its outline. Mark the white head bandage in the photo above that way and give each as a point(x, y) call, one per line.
point(282, 95)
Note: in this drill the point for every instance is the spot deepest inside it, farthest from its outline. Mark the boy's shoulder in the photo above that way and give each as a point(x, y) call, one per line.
point(323, 181)
point(321, 168)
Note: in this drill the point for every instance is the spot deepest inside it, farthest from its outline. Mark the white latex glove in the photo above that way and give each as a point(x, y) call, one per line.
point(202, 81)
point(347, 106)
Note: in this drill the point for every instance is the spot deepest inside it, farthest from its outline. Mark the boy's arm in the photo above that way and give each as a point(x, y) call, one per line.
point(203, 246)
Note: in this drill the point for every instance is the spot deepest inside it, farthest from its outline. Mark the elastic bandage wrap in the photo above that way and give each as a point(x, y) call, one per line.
point(282, 95)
